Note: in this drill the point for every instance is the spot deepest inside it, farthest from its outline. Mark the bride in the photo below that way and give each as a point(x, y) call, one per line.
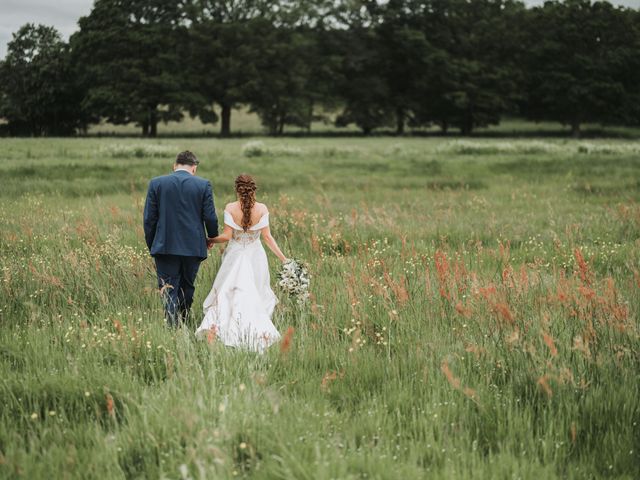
point(239, 307)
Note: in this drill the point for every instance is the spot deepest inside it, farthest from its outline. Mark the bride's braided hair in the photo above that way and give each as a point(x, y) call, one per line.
point(246, 189)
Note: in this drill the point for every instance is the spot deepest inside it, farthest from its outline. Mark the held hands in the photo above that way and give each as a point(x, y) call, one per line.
point(211, 243)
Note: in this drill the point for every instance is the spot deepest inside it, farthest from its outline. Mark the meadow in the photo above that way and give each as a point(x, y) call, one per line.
point(474, 313)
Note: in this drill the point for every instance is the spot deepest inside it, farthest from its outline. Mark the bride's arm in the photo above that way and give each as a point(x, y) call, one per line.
point(271, 243)
point(225, 236)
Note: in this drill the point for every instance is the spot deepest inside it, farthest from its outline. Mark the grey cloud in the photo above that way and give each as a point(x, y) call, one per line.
point(62, 14)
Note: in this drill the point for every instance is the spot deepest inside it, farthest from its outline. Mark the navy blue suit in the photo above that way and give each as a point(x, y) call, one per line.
point(177, 208)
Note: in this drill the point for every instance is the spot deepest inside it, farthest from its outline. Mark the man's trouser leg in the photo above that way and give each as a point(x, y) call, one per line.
point(168, 270)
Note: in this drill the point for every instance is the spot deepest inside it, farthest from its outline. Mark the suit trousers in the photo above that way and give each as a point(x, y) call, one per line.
point(176, 281)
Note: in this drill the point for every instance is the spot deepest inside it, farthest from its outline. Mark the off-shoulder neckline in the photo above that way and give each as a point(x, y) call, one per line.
point(238, 227)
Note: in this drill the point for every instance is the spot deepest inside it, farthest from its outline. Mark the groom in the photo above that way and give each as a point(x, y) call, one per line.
point(177, 208)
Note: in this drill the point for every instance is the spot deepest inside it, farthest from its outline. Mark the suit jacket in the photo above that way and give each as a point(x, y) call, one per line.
point(177, 208)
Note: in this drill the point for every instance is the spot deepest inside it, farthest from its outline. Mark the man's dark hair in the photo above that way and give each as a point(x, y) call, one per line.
point(187, 158)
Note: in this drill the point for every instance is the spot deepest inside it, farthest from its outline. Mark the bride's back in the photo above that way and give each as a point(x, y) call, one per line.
point(257, 212)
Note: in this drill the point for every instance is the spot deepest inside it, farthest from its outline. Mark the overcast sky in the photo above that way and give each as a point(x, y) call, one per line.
point(64, 15)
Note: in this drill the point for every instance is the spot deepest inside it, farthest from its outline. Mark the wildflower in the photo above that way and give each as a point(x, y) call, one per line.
point(544, 384)
point(285, 345)
point(111, 410)
point(505, 313)
point(548, 340)
point(583, 268)
point(211, 335)
point(463, 310)
point(513, 337)
point(456, 383)
point(442, 270)
point(330, 377)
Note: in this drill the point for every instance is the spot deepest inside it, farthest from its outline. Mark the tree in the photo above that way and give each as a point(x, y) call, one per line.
point(406, 56)
point(279, 92)
point(129, 54)
point(583, 64)
point(362, 86)
point(223, 52)
point(625, 62)
point(37, 88)
point(473, 76)
point(364, 91)
point(294, 65)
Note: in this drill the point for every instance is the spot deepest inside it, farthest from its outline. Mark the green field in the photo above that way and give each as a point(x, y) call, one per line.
point(474, 314)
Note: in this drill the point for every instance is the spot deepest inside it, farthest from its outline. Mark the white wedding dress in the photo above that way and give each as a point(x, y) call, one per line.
point(241, 302)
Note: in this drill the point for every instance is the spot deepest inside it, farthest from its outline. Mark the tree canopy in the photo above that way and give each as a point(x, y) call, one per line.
point(392, 64)
point(37, 86)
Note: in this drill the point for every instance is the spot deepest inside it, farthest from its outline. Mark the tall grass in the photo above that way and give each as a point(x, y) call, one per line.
point(474, 315)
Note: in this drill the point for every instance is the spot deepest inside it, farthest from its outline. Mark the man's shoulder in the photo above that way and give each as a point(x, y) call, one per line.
point(201, 181)
point(170, 176)
point(159, 179)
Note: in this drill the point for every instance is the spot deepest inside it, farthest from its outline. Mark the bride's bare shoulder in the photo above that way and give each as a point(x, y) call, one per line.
point(261, 208)
point(231, 206)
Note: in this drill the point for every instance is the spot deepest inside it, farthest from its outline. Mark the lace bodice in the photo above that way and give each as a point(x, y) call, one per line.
point(251, 235)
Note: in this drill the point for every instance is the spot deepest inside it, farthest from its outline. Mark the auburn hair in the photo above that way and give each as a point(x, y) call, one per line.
point(246, 189)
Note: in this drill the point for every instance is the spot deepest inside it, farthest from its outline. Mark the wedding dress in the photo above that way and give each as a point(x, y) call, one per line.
point(241, 302)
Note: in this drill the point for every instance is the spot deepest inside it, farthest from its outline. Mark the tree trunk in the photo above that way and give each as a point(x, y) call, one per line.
point(273, 127)
point(145, 128)
point(399, 121)
point(467, 125)
point(281, 125)
point(444, 125)
point(309, 117)
point(575, 129)
point(225, 125)
point(153, 123)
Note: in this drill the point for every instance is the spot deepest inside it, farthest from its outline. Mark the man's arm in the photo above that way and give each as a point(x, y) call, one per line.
point(209, 216)
point(150, 215)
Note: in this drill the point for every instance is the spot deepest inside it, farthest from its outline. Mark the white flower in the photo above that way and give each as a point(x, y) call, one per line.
point(253, 148)
point(293, 278)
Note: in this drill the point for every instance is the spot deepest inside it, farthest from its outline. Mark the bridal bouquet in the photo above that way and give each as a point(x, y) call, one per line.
point(293, 278)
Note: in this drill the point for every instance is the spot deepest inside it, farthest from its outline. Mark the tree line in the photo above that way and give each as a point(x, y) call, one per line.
point(396, 64)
